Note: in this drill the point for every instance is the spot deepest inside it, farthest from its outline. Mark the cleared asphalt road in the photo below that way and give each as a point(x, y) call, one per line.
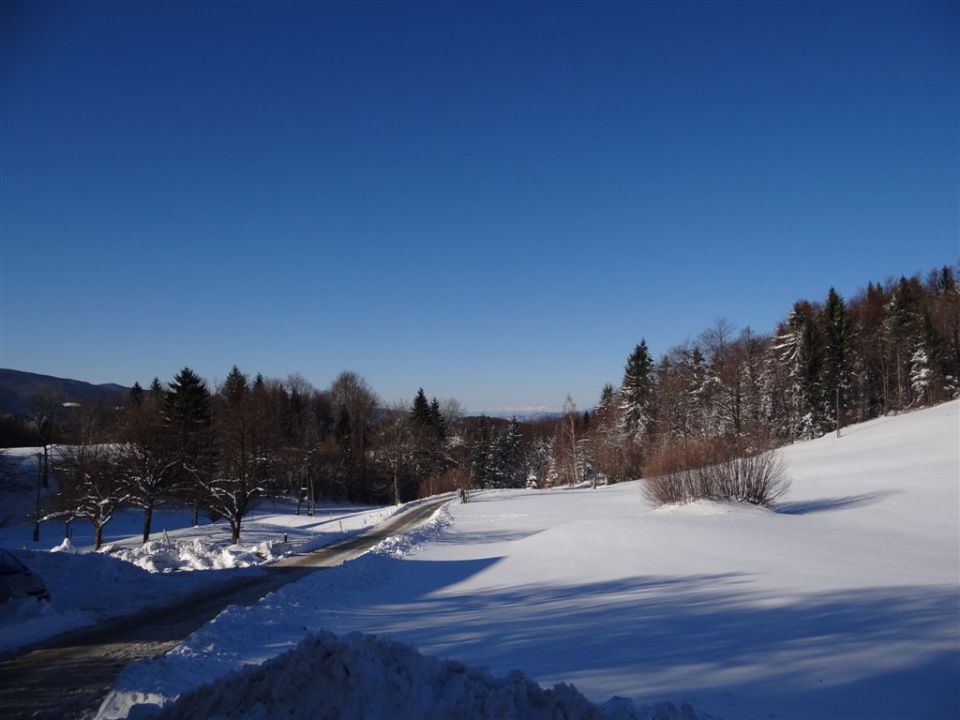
point(68, 676)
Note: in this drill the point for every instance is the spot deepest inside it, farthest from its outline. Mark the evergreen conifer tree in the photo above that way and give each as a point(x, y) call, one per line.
point(426, 425)
point(800, 349)
point(136, 395)
point(636, 393)
point(436, 420)
point(507, 458)
point(157, 392)
point(930, 378)
point(901, 328)
point(481, 455)
point(837, 376)
point(188, 423)
point(420, 412)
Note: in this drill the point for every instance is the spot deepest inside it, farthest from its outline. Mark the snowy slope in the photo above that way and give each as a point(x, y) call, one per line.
point(844, 604)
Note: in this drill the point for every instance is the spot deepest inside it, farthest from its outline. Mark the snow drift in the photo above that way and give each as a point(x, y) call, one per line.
point(158, 556)
point(362, 677)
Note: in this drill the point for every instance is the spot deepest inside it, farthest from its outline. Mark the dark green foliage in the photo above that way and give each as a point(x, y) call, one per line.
point(482, 461)
point(636, 393)
point(510, 467)
point(187, 414)
point(420, 412)
point(188, 426)
point(157, 392)
point(136, 395)
point(234, 390)
point(436, 420)
point(837, 380)
point(801, 350)
point(428, 433)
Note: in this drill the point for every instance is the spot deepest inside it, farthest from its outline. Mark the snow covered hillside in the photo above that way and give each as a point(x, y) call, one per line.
point(842, 604)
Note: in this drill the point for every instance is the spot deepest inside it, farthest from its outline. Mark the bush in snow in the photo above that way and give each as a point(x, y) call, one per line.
point(715, 470)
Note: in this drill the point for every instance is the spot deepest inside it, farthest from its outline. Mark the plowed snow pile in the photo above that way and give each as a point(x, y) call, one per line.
point(195, 554)
point(360, 677)
point(842, 603)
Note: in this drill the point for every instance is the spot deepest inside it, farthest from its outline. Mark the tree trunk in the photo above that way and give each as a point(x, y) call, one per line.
point(147, 519)
point(899, 382)
point(98, 541)
point(235, 531)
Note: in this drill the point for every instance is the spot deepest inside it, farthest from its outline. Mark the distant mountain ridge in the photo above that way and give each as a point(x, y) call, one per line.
point(18, 389)
point(525, 415)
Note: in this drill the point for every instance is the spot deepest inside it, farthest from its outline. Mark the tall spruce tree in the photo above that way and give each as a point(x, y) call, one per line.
point(188, 424)
point(157, 392)
point(902, 330)
point(508, 465)
point(800, 349)
point(436, 421)
point(837, 376)
point(420, 412)
point(636, 393)
point(482, 460)
point(429, 435)
point(930, 372)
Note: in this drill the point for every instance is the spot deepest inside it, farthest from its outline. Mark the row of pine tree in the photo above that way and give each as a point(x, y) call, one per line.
point(892, 347)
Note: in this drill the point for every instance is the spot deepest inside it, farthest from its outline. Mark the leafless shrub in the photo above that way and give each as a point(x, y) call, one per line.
point(715, 470)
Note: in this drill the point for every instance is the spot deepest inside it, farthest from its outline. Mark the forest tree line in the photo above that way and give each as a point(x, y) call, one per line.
point(891, 347)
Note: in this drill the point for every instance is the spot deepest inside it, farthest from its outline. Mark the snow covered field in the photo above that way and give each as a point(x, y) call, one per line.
point(843, 604)
point(125, 576)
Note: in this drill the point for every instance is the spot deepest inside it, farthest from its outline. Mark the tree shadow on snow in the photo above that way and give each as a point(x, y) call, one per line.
point(895, 651)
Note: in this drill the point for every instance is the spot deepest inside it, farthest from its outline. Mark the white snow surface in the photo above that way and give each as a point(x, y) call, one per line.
point(86, 588)
point(844, 603)
point(361, 677)
point(126, 576)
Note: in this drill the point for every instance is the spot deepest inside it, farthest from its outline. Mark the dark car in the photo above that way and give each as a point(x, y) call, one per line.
point(16, 580)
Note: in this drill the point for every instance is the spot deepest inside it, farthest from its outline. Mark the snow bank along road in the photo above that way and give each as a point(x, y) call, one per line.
point(68, 675)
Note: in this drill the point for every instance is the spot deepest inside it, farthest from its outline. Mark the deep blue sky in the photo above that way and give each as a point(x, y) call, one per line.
point(493, 201)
